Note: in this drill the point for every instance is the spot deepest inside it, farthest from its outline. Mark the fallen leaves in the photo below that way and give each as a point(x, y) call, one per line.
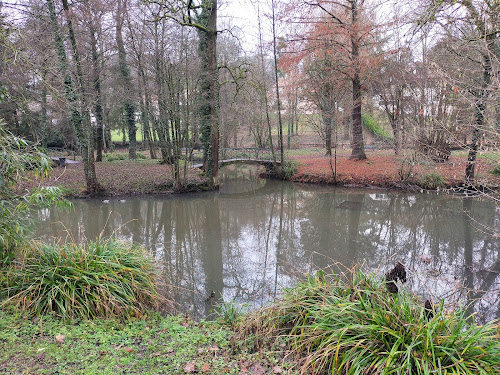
point(258, 369)
point(190, 368)
point(60, 339)
point(205, 367)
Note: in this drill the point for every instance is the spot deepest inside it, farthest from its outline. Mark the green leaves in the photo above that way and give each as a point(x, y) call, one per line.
point(20, 160)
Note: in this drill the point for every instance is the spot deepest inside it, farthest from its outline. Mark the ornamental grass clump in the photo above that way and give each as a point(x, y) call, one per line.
point(352, 325)
point(103, 278)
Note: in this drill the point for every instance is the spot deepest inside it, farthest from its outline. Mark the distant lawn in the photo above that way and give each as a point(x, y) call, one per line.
point(482, 154)
point(117, 135)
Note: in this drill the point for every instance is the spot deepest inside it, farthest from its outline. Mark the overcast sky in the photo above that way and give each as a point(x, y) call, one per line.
point(242, 16)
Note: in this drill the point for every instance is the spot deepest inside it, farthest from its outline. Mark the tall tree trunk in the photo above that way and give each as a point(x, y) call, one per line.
point(161, 123)
point(144, 95)
point(173, 84)
point(479, 109)
point(395, 123)
point(128, 104)
point(264, 91)
point(43, 113)
point(88, 148)
point(358, 150)
point(71, 94)
point(209, 90)
point(275, 55)
point(288, 136)
point(327, 121)
point(214, 92)
point(497, 114)
point(97, 91)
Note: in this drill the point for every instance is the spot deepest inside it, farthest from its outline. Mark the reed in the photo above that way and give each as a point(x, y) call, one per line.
point(350, 324)
point(103, 278)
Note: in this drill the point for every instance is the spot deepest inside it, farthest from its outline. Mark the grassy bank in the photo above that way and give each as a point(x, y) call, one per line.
point(154, 345)
point(353, 324)
point(336, 324)
point(88, 309)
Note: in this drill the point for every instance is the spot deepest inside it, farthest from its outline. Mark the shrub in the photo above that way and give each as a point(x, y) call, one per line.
point(496, 170)
point(406, 166)
point(20, 160)
point(114, 157)
point(105, 278)
point(432, 181)
point(353, 325)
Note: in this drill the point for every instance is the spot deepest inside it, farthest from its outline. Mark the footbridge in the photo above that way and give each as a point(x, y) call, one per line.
point(246, 155)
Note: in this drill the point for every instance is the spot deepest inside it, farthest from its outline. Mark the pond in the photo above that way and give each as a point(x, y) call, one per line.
point(255, 236)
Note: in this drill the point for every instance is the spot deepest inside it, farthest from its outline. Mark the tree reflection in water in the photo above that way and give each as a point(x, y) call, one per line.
point(245, 246)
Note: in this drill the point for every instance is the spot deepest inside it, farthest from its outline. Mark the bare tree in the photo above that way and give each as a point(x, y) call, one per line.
point(202, 15)
point(128, 103)
point(79, 118)
point(475, 27)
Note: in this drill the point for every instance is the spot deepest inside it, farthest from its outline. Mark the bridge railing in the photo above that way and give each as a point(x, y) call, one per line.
point(245, 153)
point(61, 152)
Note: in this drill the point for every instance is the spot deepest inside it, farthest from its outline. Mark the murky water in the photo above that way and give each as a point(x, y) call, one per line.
point(255, 236)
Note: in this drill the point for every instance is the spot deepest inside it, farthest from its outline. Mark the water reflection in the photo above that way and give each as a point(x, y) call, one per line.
point(247, 245)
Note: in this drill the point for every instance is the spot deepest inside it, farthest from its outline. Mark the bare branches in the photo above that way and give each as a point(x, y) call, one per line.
point(182, 12)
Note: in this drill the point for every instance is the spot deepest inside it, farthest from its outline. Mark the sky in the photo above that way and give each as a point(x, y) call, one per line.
point(242, 16)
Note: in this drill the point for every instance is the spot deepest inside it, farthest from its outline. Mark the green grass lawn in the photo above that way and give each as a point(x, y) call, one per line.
point(117, 135)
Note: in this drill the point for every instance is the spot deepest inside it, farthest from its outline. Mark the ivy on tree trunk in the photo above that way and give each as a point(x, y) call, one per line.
point(81, 128)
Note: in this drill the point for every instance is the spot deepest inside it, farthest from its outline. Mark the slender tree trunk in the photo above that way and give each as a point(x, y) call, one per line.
point(327, 120)
point(395, 123)
point(497, 114)
point(144, 95)
point(289, 136)
point(480, 108)
point(173, 85)
point(264, 93)
point(98, 96)
point(358, 150)
point(128, 104)
point(161, 123)
point(43, 114)
point(275, 55)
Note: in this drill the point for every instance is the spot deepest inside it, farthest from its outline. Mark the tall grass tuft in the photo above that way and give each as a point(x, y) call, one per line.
point(103, 278)
point(352, 325)
point(230, 312)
